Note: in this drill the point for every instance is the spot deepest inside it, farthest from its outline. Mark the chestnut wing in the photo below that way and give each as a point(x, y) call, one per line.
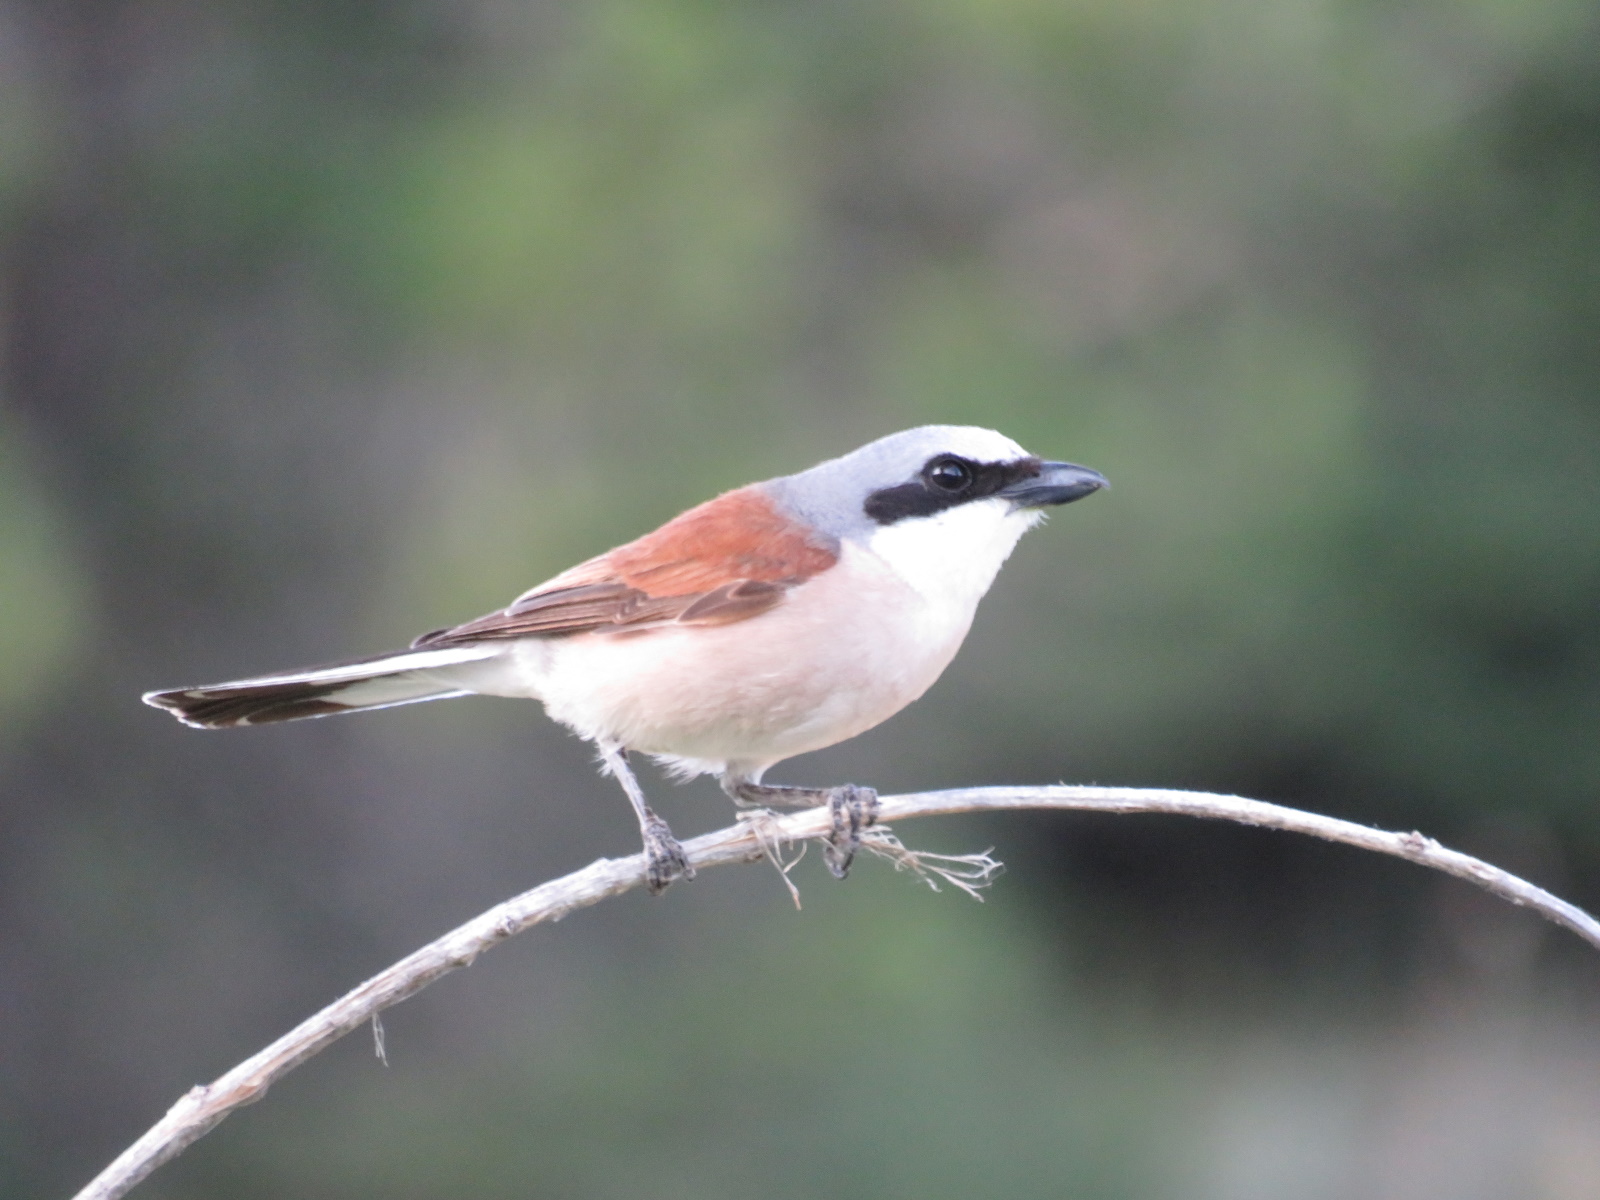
point(726, 560)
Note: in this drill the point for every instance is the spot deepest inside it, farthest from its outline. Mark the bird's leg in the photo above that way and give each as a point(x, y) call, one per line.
point(665, 860)
point(852, 809)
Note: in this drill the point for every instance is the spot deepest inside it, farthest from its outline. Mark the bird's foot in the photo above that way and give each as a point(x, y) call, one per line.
point(852, 809)
point(665, 861)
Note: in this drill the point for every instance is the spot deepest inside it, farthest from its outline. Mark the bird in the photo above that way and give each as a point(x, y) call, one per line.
point(775, 619)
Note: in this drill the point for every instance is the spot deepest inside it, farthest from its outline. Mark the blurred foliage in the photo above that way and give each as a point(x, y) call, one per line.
point(41, 588)
point(328, 324)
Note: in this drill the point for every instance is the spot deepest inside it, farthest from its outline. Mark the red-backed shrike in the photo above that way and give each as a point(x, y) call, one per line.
point(778, 618)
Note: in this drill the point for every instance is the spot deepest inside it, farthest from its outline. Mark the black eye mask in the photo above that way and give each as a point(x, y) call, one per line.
point(945, 482)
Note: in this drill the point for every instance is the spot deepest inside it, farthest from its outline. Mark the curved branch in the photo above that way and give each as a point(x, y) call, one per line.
point(204, 1105)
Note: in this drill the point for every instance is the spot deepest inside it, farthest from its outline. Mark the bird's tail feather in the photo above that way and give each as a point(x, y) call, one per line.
point(406, 677)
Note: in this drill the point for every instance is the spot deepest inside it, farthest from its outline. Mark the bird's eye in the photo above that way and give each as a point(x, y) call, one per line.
point(949, 474)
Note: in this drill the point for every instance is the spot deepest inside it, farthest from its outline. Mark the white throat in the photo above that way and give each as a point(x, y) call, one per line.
point(952, 557)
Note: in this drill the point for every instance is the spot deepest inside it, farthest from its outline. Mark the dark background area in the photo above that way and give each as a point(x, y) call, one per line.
point(328, 324)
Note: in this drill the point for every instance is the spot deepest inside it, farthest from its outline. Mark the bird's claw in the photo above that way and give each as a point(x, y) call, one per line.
point(852, 809)
point(665, 861)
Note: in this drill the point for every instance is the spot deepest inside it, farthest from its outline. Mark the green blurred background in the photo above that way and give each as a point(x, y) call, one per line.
point(325, 324)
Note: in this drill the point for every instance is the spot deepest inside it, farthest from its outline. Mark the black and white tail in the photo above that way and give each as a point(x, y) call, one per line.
point(407, 677)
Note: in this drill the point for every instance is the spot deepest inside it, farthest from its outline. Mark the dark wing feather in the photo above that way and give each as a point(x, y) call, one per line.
point(732, 602)
point(611, 608)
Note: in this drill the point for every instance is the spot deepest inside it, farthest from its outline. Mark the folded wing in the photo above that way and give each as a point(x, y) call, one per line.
point(726, 560)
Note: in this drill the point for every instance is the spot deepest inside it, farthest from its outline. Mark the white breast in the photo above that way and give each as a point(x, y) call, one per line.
point(952, 558)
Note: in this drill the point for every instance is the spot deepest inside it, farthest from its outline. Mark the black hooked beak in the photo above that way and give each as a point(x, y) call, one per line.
point(1056, 483)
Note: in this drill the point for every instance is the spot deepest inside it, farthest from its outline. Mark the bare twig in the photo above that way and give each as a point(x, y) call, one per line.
point(206, 1104)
